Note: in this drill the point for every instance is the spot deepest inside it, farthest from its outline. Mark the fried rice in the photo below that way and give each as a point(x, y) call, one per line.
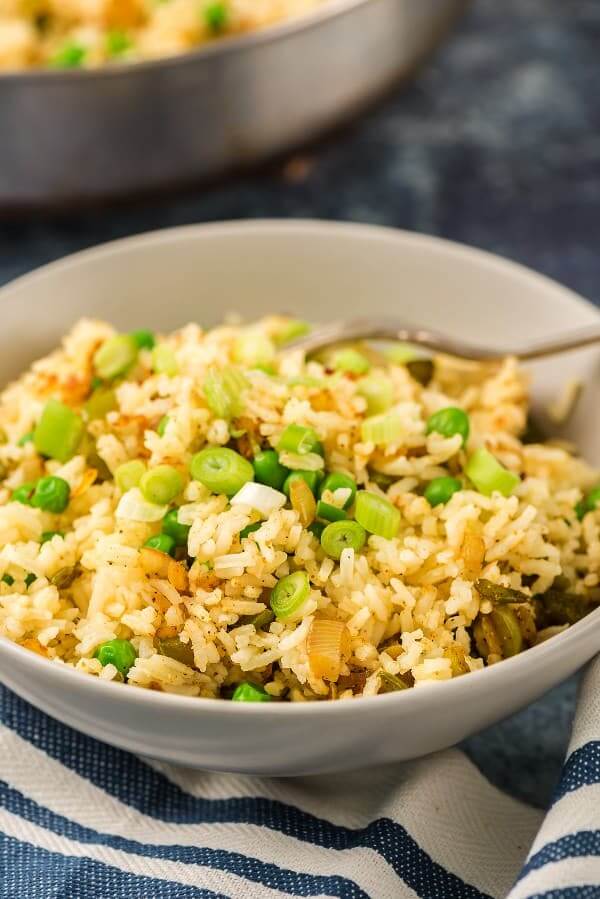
point(461, 584)
point(75, 33)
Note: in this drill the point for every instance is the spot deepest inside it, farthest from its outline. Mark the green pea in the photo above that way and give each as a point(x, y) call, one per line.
point(23, 493)
point(448, 422)
point(248, 692)
point(174, 529)
point(51, 494)
point(163, 543)
point(268, 469)
point(440, 490)
point(119, 653)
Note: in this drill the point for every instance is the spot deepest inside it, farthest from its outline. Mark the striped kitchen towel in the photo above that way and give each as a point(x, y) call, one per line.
point(80, 820)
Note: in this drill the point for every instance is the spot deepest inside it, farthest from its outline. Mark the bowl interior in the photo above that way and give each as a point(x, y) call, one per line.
point(313, 270)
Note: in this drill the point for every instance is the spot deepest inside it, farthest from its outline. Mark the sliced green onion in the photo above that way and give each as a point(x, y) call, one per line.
point(129, 474)
point(249, 529)
point(312, 478)
point(248, 692)
point(144, 340)
point(382, 429)
point(400, 353)
point(299, 439)
point(440, 490)
point(164, 361)
point(7, 579)
point(115, 356)
point(163, 543)
point(26, 438)
point(316, 529)
point(289, 594)
point(378, 391)
point(254, 348)
point(588, 503)
point(134, 507)
point(448, 422)
point(31, 578)
point(268, 470)
point(102, 401)
point(377, 515)
point(58, 432)
point(341, 535)
point(224, 389)
point(161, 485)
point(222, 470)
point(488, 475)
point(581, 510)
point(291, 330)
point(173, 648)
point(172, 527)
point(337, 480)
point(119, 653)
point(329, 512)
point(23, 493)
point(260, 497)
point(351, 361)
point(51, 494)
point(162, 426)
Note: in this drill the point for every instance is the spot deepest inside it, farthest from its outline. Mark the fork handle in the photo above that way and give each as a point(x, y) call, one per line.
point(389, 329)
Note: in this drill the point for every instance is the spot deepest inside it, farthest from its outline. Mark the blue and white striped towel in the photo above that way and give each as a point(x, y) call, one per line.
point(80, 820)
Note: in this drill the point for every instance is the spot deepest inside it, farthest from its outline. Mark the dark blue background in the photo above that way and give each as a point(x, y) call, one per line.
point(497, 144)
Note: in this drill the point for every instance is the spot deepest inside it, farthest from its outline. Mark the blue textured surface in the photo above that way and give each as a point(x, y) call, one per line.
point(495, 144)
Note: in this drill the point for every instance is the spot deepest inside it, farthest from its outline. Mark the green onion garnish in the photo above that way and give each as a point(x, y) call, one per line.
point(341, 535)
point(249, 529)
point(49, 535)
point(292, 330)
point(268, 470)
point(224, 391)
point(488, 475)
point(378, 392)
point(161, 485)
point(71, 56)
point(400, 353)
point(254, 348)
point(329, 512)
point(289, 594)
point(248, 692)
point(117, 43)
point(312, 478)
point(588, 503)
point(351, 361)
point(337, 480)
point(102, 401)
point(222, 470)
point(26, 438)
point(382, 429)
point(164, 361)
point(58, 432)
point(129, 474)
point(115, 356)
point(448, 422)
point(377, 515)
point(162, 426)
point(299, 439)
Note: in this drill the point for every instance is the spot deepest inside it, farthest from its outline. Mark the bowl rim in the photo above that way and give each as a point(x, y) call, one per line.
point(330, 10)
point(442, 691)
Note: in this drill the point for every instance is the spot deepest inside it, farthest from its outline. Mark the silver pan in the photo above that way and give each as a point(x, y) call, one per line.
point(68, 137)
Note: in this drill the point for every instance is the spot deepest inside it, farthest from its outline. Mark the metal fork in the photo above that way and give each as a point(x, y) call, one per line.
point(390, 329)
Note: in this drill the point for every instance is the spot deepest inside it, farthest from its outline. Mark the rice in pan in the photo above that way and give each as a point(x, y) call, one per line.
point(209, 514)
point(74, 33)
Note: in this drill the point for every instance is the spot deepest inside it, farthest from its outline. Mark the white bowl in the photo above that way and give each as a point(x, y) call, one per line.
point(318, 271)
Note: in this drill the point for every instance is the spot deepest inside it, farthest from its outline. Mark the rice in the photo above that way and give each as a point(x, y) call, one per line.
point(462, 583)
point(73, 33)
